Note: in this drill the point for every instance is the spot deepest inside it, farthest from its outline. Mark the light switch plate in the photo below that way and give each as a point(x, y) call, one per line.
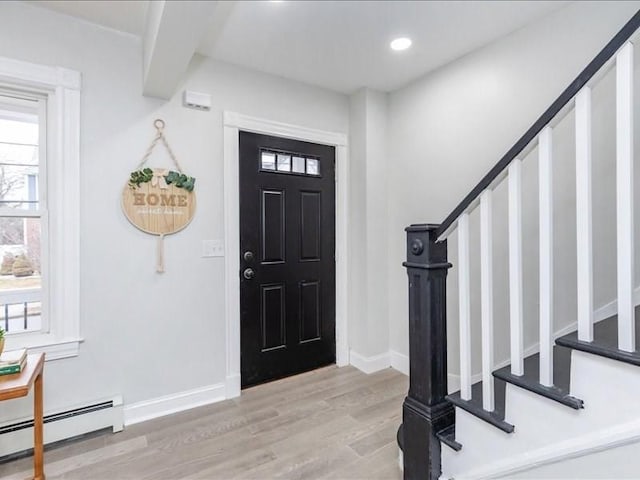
point(212, 248)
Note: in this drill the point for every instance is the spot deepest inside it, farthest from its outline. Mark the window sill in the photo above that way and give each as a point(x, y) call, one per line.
point(54, 349)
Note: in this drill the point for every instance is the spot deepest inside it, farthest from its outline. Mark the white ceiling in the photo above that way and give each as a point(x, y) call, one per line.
point(339, 45)
point(126, 16)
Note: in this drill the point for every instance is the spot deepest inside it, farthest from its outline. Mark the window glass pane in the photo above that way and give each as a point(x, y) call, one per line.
point(298, 165)
point(18, 186)
point(268, 161)
point(20, 274)
point(18, 126)
point(19, 252)
point(11, 233)
point(284, 163)
point(313, 166)
point(19, 156)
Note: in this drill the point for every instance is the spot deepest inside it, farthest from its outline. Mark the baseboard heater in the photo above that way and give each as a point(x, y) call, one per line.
point(17, 436)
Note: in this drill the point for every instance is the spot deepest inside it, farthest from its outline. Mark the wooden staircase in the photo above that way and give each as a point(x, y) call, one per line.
point(431, 416)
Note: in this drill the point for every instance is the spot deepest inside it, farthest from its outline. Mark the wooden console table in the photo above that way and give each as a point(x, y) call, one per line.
point(19, 385)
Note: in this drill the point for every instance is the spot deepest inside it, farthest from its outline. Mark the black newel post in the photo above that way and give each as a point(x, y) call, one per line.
point(425, 412)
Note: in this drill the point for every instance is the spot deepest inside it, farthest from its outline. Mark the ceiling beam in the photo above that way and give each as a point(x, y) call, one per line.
point(172, 34)
point(210, 38)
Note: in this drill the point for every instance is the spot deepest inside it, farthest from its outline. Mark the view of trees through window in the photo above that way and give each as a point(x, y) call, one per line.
point(20, 215)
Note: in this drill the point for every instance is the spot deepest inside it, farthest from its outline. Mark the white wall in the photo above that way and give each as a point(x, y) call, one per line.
point(448, 128)
point(147, 335)
point(368, 173)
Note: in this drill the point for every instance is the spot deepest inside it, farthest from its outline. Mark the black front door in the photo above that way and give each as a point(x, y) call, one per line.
point(287, 257)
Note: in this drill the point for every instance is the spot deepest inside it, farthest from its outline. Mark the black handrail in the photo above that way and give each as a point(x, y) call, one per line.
point(565, 97)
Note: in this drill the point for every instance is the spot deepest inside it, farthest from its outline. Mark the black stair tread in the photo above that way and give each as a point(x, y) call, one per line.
point(474, 406)
point(448, 437)
point(605, 341)
point(530, 380)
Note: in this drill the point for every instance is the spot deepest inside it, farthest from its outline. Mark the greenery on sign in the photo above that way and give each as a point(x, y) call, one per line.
point(178, 179)
point(140, 176)
point(1, 333)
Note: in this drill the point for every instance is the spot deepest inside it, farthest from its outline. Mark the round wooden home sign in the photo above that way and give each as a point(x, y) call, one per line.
point(157, 206)
point(159, 201)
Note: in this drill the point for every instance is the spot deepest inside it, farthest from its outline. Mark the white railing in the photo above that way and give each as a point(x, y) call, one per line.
point(584, 215)
point(581, 103)
point(516, 293)
point(15, 316)
point(624, 202)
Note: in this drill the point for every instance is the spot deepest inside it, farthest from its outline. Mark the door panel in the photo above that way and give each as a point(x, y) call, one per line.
point(287, 222)
point(310, 225)
point(273, 317)
point(310, 311)
point(272, 223)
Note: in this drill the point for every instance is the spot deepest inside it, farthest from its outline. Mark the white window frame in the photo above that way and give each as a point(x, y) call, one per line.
point(61, 287)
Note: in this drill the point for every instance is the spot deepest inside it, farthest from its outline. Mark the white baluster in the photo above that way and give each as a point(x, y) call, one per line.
point(464, 294)
point(516, 316)
point(624, 203)
point(486, 291)
point(584, 244)
point(545, 190)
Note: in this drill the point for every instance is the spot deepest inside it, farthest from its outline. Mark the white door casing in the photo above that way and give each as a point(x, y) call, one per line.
point(233, 124)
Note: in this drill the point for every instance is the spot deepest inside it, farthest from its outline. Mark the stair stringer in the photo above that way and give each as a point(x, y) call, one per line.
point(547, 432)
point(609, 456)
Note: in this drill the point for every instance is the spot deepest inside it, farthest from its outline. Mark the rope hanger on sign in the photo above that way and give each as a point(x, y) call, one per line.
point(158, 177)
point(159, 124)
point(159, 201)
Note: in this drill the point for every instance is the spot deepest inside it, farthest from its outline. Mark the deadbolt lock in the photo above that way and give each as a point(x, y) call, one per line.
point(248, 273)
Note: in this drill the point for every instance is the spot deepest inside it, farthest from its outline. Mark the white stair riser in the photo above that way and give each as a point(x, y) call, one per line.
point(609, 389)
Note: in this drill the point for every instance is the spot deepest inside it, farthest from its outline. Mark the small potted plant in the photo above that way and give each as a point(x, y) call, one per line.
point(1, 340)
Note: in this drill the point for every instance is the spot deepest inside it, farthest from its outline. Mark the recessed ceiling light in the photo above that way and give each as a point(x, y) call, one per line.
point(400, 44)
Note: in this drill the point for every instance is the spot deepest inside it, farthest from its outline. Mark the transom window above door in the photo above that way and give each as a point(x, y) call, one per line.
point(288, 162)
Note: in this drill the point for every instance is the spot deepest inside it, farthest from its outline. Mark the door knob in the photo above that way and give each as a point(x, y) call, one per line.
point(248, 256)
point(248, 273)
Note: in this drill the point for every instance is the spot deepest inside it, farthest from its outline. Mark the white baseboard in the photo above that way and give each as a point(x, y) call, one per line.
point(232, 386)
point(177, 402)
point(370, 364)
point(342, 355)
point(610, 309)
point(399, 362)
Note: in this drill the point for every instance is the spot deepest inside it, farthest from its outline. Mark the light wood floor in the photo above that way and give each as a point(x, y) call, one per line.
point(331, 424)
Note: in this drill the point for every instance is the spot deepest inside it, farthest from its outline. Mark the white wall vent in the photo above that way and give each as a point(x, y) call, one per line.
point(197, 100)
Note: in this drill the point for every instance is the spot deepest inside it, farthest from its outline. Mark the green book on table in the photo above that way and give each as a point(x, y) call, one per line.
point(11, 369)
point(13, 361)
point(13, 357)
